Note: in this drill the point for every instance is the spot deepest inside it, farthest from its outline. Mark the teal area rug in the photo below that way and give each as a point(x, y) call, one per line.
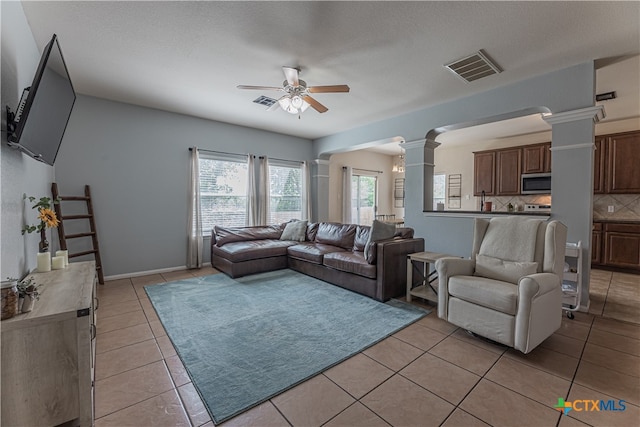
point(246, 340)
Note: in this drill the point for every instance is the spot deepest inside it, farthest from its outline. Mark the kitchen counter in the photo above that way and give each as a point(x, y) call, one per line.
point(482, 213)
point(617, 221)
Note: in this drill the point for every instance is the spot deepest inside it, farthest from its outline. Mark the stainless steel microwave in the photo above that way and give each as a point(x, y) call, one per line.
point(535, 183)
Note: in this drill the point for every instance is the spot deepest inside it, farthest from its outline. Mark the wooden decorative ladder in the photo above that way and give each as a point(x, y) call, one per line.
point(62, 236)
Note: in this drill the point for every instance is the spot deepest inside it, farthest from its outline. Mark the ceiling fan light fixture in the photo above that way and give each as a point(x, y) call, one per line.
point(296, 102)
point(293, 104)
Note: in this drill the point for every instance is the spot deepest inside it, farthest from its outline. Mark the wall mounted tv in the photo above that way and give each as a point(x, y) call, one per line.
point(38, 125)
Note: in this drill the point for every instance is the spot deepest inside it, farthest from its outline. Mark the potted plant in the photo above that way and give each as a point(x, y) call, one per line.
point(28, 293)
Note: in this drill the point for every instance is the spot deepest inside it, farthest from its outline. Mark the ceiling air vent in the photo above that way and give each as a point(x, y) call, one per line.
point(474, 67)
point(265, 100)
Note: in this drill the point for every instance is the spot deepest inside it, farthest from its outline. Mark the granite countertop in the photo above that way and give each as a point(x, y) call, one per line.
point(617, 221)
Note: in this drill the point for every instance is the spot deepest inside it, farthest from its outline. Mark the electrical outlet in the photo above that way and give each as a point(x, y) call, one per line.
point(467, 197)
point(611, 209)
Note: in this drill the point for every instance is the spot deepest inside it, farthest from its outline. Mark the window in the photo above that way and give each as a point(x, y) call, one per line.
point(223, 192)
point(363, 199)
point(439, 188)
point(285, 191)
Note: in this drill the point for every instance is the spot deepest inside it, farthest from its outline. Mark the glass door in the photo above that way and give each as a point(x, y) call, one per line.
point(363, 199)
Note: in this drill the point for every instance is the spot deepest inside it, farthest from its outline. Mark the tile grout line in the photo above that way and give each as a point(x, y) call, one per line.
point(127, 370)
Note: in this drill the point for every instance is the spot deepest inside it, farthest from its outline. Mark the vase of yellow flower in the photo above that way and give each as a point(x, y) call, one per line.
point(43, 246)
point(47, 217)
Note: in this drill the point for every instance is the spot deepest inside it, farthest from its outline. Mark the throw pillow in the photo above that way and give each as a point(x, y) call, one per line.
point(379, 231)
point(295, 230)
point(506, 271)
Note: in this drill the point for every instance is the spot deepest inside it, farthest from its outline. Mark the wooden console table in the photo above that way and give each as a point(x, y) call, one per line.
point(425, 290)
point(48, 354)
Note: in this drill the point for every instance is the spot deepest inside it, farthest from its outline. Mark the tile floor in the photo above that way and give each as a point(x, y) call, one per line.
point(430, 373)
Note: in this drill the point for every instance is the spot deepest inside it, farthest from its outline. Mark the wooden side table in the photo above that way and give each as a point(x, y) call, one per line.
point(424, 291)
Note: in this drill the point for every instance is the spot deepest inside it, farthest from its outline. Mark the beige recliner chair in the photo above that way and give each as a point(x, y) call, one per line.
point(510, 290)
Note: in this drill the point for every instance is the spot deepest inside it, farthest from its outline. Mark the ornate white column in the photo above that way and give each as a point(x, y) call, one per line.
point(572, 145)
point(320, 190)
point(419, 166)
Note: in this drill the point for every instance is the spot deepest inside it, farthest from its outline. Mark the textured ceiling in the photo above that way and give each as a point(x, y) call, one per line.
point(188, 57)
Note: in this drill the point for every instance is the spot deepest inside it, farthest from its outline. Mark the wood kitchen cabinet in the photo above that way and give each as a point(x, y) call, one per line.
point(616, 245)
point(622, 245)
point(484, 178)
point(599, 156)
point(508, 171)
point(536, 158)
point(623, 157)
point(498, 172)
point(596, 244)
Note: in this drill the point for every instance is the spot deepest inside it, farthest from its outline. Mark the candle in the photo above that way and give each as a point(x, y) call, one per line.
point(44, 262)
point(57, 262)
point(64, 254)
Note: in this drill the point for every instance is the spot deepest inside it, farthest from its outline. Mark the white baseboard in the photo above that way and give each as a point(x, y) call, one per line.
point(148, 272)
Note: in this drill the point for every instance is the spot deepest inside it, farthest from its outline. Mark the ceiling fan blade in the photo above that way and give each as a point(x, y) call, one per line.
point(291, 74)
point(315, 104)
point(259, 87)
point(328, 89)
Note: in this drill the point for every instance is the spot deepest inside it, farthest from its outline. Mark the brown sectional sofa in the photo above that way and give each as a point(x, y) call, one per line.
point(330, 251)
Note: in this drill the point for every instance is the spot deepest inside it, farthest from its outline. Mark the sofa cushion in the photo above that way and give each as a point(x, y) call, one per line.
point(254, 249)
point(494, 294)
point(334, 234)
point(350, 262)
point(295, 230)
point(507, 271)
point(311, 252)
point(379, 231)
point(226, 235)
point(404, 232)
point(362, 235)
point(312, 230)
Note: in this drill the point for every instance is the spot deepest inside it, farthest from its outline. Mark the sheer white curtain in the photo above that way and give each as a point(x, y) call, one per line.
point(194, 236)
point(306, 192)
point(346, 194)
point(263, 191)
point(252, 193)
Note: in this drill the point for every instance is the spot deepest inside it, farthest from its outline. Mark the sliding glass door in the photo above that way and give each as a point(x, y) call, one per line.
point(363, 198)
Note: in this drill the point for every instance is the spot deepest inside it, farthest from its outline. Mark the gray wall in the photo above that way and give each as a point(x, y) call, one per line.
point(564, 90)
point(136, 161)
point(19, 173)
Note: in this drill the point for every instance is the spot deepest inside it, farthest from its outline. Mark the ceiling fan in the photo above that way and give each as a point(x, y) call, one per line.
point(297, 96)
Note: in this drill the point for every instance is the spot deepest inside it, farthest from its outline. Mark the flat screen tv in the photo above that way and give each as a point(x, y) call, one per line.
point(38, 126)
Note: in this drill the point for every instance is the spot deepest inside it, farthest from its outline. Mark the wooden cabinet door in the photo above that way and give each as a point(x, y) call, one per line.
point(508, 171)
point(623, 158)
point(547, 157)
point(622, 245)
point(622, 250)
point(534, 158)
point(596, 244)
point(598, 165)
point(484, 173)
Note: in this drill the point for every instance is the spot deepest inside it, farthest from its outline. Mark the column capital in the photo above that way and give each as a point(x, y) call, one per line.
point(596, 113)
point(419, 143)
point(432, 144)
point(322, 162)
